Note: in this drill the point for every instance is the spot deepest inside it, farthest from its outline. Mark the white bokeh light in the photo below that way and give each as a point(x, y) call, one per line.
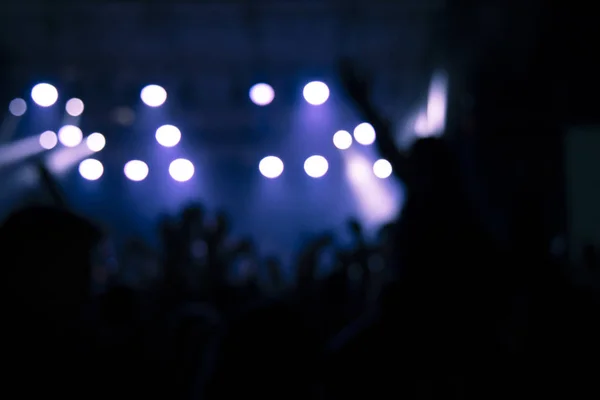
point(153, 95)
point(48, 140)
point(181, 170)
point(262, 94)
point(91, 169)
point(44, 94)
point(382, 168)
point(136, 170)
point(316, 93)
point(17, 107)
point(364, 134)
point(70, 136)
point(74, 107)
point(96, 142)
point(342, 140)
point(168, 135)
point(271, 167)
point(316, 166)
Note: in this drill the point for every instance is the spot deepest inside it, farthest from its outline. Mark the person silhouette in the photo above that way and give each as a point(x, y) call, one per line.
point(428, 313)
point(48, 258)
point(436, 214)
point(47, 281)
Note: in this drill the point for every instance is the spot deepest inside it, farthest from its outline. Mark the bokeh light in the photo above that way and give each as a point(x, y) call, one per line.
point(316, 93)
point(48, 140)
point(382, 168)
point(262, 94)
point(74, 107)
point(316, 166)
point(70, 135)
point(44, 94)
point(181, 170)
point(153, 95)
point(271, 167)
point(168, 135)
point(342, 140)
point(17, 107)
point(364, 134)
point(136, 170)
point(91, 169)
point(96, 142)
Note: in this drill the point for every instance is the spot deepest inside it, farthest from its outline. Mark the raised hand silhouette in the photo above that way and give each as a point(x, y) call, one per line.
point(355, 85)
point(193, 219)
point(355, 227)
point(358, 89)
point(308, 259)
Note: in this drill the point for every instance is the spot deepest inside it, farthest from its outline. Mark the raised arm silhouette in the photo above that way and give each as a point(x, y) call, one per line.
point(357, 88)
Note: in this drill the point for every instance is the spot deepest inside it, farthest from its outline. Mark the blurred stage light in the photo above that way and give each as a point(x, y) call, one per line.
point(153, 95)
point(316, 166)
point(271, 167)
point(70, 135)
point(437, 103)
point(95, 142)
point(181, 170)
point(431, 121)
point(382, 168)
point(168, 135)
point(262, 94)
point(74, 107)
point(91, 169)
point(316, 93)
point(17, 107)
point(364, 134)
point(44, 94)
point(136, 170)
point(48, 140)
point(422, 125)
point(359, 170)
point(342, 140)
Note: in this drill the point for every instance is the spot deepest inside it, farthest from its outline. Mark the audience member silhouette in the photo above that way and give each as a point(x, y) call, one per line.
point(46, 284)
point(429, 312)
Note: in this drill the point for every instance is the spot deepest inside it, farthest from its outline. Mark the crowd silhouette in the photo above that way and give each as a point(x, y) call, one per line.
point(434, 308)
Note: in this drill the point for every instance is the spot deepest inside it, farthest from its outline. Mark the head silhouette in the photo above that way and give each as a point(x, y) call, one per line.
point(222, 222)
point(193, 218)
point(47, 258)
point(355, 227)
